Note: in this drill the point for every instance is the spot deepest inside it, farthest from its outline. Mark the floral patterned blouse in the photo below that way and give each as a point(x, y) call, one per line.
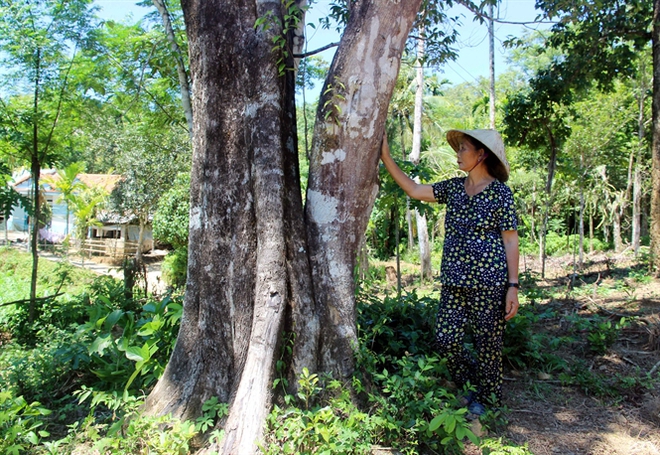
point(473, 255)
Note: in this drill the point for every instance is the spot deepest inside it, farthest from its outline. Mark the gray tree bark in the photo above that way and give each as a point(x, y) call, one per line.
point(655, 148)
point(252, 252)
point(344, 161)
point(248, 275)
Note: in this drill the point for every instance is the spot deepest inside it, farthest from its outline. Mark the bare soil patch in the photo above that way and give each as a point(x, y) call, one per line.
point(613, 406)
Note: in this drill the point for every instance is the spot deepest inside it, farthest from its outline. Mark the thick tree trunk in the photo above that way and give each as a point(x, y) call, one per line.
point(248, 273)
point(249, 277)
point(184, 87)
point(343, 166)
point(655, 197)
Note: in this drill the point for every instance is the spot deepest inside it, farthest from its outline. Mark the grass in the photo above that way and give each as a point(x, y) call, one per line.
point(400, 372)
point(16, 272)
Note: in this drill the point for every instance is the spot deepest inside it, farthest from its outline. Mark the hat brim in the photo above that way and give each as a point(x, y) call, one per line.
point(454, 138)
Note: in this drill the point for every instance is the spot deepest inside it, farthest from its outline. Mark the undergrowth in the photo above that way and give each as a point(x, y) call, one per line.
point(77, 377)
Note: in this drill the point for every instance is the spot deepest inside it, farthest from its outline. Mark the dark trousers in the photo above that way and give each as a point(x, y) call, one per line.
point(482, 309)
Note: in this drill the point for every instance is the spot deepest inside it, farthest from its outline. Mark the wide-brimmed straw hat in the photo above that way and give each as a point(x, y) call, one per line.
point(491, 139)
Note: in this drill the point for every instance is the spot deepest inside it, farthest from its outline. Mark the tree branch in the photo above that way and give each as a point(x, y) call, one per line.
point(317, 51)
point(473, 8)
point(59, 102)
point(18, 302)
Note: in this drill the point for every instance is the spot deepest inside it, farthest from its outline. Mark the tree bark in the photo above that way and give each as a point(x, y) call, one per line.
point(655, 196)
point(344, 162)
point(552, 165)
point(415, 155)
point(247, 267)
point(249, 275)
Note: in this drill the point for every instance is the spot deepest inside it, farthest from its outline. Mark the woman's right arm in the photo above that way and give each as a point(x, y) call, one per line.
point(413, 189)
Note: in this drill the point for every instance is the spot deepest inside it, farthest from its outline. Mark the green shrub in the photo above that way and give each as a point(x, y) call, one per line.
point(320, 419)
point(130, 346)
point(175, 267)
point(523, 348)
point(45, 371)
point(412, 409)
point(602, 335)
point(19, 423)
point(559, 244)
point(396, 327)
point(116, 425)
point(170, 224)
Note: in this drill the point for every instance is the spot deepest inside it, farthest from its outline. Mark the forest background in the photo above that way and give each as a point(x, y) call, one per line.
point(106, 97)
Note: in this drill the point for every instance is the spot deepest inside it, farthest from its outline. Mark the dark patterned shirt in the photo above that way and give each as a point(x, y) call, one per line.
point(473, 255)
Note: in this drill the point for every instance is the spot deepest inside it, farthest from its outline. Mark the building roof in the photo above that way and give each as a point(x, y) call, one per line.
point(105, 181)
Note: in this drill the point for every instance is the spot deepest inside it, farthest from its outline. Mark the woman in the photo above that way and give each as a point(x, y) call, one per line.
point(479, 272)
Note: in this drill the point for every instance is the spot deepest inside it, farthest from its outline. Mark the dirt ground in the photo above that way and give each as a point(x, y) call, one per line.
point(555, 419)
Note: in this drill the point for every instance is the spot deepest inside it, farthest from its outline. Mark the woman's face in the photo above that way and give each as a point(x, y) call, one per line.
point(467, 156)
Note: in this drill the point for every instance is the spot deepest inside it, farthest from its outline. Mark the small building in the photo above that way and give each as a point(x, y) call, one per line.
point(117, 236)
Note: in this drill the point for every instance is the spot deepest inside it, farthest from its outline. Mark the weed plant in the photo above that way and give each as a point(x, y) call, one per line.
point(93, 352)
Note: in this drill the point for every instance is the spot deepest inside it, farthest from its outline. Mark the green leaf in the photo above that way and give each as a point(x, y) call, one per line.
point(472, 437)
point(136, 354)
point(100, 344)
point(112, 319)
point(436, 422)
point(450, 424)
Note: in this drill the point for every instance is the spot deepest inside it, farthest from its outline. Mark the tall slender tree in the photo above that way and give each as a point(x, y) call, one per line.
point(39, 42)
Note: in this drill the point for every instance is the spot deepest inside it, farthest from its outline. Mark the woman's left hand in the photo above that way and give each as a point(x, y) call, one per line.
point(512, 304)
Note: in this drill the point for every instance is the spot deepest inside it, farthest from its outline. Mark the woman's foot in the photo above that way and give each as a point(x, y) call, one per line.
point(476, 409)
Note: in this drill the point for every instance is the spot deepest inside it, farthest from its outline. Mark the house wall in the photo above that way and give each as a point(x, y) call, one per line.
point(57, 228)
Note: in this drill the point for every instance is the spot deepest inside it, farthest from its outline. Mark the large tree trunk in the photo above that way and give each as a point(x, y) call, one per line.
point(249, 275)
point(655, 197)
point(247, 261)
point(343, 166)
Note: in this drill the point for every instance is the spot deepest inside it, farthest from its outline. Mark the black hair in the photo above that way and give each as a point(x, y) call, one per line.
point(493, 164)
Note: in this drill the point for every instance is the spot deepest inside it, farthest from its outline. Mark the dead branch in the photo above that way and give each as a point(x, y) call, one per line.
point(19, 302)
